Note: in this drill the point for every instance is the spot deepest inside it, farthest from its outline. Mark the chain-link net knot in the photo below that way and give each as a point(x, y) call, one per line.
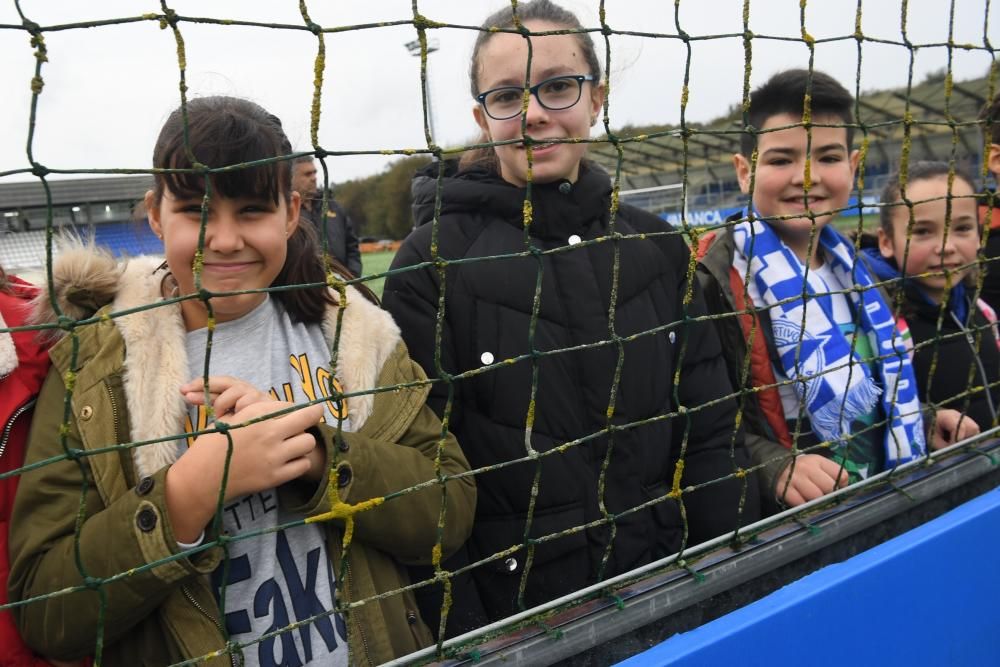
point(75, 454)
point(339, 510)
point(421, 22)
point(93, 583)
point(65, 322)
point(168, 19)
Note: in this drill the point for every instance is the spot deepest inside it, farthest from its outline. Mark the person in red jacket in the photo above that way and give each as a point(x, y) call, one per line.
point(23, 365)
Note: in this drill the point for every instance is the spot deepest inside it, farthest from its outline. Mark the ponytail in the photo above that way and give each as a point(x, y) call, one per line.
point(483, 158)
point(304, 266)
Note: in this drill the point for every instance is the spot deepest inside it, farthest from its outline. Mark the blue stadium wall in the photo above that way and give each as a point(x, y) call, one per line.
point(927, 597)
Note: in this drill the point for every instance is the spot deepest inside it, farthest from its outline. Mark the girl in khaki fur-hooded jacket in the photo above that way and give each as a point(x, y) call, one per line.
point(302, 533)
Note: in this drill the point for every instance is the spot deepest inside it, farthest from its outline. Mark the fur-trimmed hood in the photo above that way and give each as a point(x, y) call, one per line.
point(15, 299)
point(24, 360)
point(8, 355)
point(87, 279)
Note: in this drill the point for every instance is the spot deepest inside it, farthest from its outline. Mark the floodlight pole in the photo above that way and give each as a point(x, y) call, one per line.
point(414, 49)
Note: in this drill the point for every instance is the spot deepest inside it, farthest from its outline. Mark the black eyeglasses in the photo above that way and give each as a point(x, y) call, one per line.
point(555, 94)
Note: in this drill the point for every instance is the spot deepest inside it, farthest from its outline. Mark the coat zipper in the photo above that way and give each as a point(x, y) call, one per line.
point(9, 427)
point(114, 410)
point(236, 661)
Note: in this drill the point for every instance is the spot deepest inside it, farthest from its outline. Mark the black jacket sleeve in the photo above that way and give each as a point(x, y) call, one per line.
point(412, 299)
point(708, 436)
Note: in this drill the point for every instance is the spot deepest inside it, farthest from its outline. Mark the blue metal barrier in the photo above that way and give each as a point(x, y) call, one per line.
point(927, 597)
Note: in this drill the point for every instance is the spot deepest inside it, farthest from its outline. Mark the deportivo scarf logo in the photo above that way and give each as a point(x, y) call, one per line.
point(835, 386)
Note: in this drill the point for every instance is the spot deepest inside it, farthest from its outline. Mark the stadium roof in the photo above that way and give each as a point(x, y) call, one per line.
point(97, 190)
point(938, 115)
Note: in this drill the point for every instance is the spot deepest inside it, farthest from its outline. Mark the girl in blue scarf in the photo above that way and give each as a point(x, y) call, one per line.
point(929, 227)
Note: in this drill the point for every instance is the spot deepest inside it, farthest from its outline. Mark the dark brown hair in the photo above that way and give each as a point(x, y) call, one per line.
point(785, 93)
point(229, 131)
point(534, 10)
point(990, 117)
point(921, 170)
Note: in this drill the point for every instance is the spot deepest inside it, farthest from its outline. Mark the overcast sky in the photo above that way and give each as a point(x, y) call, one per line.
point(108, 89)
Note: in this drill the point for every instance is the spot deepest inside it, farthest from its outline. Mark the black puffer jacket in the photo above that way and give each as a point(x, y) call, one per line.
point(951, 352)
point(614, 464)
point(989, 216)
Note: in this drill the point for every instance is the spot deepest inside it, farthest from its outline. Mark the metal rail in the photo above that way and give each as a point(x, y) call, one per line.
point(658, 590)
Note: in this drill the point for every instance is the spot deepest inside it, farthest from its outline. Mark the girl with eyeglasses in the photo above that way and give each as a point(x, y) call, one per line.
point(560, 342)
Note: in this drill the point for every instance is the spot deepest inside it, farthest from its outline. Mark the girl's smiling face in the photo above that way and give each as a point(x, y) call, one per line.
point(503, 61)
point(245, 247)
point(929, 252)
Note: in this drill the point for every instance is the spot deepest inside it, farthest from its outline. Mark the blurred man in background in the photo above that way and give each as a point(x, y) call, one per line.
point(335, 226)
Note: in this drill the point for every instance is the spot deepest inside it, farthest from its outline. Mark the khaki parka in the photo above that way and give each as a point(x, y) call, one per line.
point(159, 609)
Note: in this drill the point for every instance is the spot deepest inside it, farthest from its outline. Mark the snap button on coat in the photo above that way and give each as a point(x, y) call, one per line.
point(144, 486)
point(146, 520)
point(86, 412)
point(574, 239)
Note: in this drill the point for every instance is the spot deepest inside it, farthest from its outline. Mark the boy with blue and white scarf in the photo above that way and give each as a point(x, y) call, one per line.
point(833, 397)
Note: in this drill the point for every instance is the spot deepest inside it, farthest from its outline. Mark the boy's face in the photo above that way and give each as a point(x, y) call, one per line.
point(929, 253)
point(779, 182)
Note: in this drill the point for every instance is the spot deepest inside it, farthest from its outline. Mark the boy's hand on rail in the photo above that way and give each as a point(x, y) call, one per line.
point(951, 426)
point(812, 476)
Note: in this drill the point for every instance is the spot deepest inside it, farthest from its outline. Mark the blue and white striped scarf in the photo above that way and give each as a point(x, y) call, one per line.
point(834, 392)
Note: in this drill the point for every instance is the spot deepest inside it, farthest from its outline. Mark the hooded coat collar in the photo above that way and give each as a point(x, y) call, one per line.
point(23, 357)
point(155, 362)
point(8, 355)
point(556, 209)
point(886, 270)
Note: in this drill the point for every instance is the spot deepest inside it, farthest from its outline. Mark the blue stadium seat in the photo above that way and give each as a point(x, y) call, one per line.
point(127, 238)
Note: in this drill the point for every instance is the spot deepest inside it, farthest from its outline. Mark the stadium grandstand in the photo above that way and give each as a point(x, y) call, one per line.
point(939, 119)
point(104, 207)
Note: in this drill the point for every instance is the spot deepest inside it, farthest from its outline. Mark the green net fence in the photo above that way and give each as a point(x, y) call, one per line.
point(660, 160)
